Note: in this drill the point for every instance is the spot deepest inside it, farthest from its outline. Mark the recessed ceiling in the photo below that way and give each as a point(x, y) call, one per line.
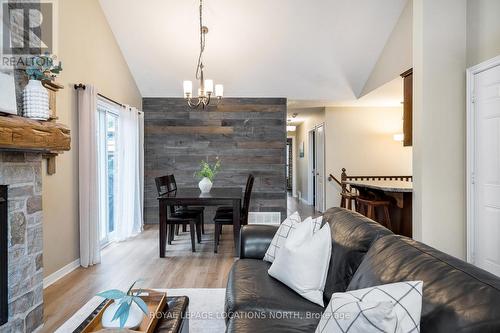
point(302, 50)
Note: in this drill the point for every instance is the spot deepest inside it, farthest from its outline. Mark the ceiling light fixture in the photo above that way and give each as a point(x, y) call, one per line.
point(399, 137)
point(206, 89)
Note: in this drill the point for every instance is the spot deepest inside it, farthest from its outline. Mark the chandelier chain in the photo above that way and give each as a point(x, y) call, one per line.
point(199, 67)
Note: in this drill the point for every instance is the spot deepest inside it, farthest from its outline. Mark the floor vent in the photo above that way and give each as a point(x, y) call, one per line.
point(264, 218)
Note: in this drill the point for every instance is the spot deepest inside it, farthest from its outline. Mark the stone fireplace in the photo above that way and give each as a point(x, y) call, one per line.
point(21, 173)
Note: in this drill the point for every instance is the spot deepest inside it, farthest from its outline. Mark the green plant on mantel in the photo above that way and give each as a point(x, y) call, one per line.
point(43, 68)
point(207, 170)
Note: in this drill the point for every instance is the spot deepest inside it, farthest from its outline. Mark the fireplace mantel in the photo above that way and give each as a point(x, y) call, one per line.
point(24, 134)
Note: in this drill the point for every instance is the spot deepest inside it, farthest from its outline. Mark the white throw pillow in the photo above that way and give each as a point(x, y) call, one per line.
point(316, 221)
point(303, 261)
point(366, 310)
point(284, 231)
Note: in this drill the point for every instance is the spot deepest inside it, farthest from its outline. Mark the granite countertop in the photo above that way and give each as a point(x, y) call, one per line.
point(383, 185)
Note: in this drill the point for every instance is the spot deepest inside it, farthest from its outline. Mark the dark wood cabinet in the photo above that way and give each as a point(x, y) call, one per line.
point(408, 107)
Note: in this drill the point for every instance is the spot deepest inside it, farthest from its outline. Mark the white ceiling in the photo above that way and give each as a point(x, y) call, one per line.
point(387, 95)
point(321, 50)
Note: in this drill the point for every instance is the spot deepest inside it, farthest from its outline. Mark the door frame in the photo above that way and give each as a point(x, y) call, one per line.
point(311, 152)
point(294, 164)
point(323, 196)
point(471, 152)
point(310, 166)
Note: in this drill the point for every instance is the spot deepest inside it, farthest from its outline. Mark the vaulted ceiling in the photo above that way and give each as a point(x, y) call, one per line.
point(303, 50)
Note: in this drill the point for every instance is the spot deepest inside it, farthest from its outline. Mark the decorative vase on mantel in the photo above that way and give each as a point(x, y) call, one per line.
point(205, 185)
point(36, 101)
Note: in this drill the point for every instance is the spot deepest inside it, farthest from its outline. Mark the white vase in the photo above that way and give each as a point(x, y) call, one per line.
point(205, 185)
point(36, 101)
point(134, 320)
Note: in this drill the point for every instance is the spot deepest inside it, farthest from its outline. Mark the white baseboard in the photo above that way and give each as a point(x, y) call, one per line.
point(59, 274)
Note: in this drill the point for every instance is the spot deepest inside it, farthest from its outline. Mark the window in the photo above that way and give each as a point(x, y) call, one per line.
point(108, 168)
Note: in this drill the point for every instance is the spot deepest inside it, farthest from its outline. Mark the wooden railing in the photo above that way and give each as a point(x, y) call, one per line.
point(332, 177)
point(344, 177)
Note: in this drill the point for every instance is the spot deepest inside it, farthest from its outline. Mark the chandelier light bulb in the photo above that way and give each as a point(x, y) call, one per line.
point(219, 90)
point(209, 86)
point(188, 88)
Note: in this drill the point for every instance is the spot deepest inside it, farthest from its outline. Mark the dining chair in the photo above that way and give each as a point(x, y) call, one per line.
point(224, 216)
point(229, 209)
point(169, 184)
point(178, 218)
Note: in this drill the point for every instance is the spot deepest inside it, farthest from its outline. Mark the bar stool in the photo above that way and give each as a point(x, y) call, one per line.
point(348, 200)
point(368, 208)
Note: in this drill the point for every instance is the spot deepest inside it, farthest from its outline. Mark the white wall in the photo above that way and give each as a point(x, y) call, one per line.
point(396, 56)
point(483, 30)
point(439, 53)
point(360, 139)
point(89, 54)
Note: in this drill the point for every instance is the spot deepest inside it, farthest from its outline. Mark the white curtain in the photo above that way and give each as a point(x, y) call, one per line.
point(129, 203)
point(90, 248)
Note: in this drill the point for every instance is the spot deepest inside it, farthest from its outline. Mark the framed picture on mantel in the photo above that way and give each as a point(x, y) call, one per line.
point(8, 92)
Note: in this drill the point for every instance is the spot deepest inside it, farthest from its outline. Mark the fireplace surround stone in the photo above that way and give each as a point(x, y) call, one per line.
point(21, 172)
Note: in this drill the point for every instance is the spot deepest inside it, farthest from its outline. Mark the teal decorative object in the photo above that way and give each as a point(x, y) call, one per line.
point(44, 68)
point(124, 304)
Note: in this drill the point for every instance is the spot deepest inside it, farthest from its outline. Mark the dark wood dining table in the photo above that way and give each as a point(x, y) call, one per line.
point(193, 197)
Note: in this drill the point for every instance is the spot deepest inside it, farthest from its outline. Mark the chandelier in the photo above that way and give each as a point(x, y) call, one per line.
point(206, 89)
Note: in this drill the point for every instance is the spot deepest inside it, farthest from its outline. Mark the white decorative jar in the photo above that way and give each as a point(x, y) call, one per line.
point(205, 185)
point(134, 320)
point(36, 101)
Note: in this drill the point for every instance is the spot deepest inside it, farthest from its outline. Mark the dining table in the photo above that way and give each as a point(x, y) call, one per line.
point(217, 196)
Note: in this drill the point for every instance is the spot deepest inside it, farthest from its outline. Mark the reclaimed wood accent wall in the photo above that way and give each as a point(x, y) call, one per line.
point(247, 134)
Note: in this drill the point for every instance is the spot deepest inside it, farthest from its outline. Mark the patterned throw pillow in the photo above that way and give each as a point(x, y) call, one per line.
point(284, 230)
point(367, 310)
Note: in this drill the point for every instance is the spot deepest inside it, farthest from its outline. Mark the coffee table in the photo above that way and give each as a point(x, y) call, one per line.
point(173, 320)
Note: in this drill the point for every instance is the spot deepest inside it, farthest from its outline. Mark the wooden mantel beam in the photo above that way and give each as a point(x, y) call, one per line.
point(21, 133)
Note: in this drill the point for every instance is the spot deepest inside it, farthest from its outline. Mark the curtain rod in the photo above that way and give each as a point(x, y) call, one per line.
point(82, 86)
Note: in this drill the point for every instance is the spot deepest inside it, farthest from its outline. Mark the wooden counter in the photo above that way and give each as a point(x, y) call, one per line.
point(399, 193)
point(398, 186)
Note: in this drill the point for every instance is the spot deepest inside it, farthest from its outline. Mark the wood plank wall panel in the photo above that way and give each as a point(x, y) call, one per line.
point(248, 135)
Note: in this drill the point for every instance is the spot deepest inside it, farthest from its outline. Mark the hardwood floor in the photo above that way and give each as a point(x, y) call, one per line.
point(123, 263)
point(295, 205)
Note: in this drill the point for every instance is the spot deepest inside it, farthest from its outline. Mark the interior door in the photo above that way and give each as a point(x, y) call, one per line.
point(486, 177)
point(320, 168)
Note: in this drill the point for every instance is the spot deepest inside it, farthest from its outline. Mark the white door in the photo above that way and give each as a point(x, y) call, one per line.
point(320, 168)
point(486, 169)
